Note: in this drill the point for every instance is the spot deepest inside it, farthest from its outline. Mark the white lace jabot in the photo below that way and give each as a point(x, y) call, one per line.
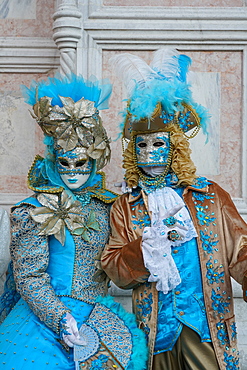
point(165, 203)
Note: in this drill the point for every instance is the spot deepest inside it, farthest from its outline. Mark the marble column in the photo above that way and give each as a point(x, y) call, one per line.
point(67, 32)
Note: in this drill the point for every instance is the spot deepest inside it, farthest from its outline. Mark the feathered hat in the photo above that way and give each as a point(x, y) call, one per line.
point(159, 94)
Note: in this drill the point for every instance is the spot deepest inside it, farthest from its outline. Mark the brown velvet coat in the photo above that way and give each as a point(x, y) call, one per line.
point(222, 245)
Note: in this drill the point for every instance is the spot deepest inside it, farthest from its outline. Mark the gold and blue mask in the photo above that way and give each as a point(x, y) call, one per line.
point(152, 149)
point(73, 162)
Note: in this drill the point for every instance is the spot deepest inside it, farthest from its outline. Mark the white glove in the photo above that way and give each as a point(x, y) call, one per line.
point(156, 248)
point(167, 206)
point(72, 335)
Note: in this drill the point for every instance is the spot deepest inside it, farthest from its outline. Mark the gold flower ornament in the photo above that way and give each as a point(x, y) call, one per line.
point(66, 124)
point(58, 212)
point(76, 123)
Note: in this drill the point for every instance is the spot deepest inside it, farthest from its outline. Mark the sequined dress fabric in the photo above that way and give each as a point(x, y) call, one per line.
point(29, 335)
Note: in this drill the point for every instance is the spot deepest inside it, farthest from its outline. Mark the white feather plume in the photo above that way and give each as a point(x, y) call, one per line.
point(132, 70)
point(166, 62)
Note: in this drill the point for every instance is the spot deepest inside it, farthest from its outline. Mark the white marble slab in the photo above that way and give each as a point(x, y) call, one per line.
point(17, 139)
point(206, 156)
point(17, 9)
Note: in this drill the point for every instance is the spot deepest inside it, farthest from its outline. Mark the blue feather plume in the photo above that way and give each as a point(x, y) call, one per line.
point(164, 81)
point(75, 87)
point(184, 63)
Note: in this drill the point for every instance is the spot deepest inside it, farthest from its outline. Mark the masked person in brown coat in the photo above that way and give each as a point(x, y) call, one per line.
point(177, 238)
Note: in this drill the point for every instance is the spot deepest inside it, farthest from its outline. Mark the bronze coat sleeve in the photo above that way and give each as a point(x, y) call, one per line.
point(122, 258)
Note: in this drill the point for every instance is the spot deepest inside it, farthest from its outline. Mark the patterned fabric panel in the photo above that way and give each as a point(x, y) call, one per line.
point(84, 287)
point(29, 252)
point(113, 333)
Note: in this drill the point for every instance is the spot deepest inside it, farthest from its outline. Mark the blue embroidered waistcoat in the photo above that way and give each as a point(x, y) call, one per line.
point(184, 305)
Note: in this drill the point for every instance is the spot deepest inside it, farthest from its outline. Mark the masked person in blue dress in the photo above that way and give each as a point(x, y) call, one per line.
point(53, 310)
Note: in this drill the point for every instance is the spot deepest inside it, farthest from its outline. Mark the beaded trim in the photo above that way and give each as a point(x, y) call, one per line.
point(157, 111)
point(31, 180)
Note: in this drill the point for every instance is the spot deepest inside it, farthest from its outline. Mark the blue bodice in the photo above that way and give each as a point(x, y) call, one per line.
point(79, 256)
point(45, 270)
point(55, 275)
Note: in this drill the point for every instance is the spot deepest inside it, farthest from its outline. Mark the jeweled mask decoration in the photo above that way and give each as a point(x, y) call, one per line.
point(74, 162)
point(152, 149)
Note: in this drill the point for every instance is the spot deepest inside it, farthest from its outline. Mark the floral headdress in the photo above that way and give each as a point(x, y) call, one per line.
point(67, 109)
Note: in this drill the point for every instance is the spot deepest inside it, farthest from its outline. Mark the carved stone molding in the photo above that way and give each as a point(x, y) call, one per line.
point(96, 10)
point(141, 25)
point(28, 55)
point(147, 28)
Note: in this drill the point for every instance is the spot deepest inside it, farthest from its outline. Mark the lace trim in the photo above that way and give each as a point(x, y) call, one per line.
point(168, 213)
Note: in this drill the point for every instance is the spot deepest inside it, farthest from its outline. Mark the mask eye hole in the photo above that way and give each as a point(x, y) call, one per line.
point(142, 145)
point(81, 163)
point(63, 162)
point(158, 143)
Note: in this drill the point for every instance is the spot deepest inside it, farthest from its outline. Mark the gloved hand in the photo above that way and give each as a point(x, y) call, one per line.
point(166, 218)
point(156, 248)
point(163, 224)
point(70, 333)
point(154, 236)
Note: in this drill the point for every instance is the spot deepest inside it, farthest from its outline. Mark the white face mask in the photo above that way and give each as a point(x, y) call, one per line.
point(74, 181)
point(74, 167)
